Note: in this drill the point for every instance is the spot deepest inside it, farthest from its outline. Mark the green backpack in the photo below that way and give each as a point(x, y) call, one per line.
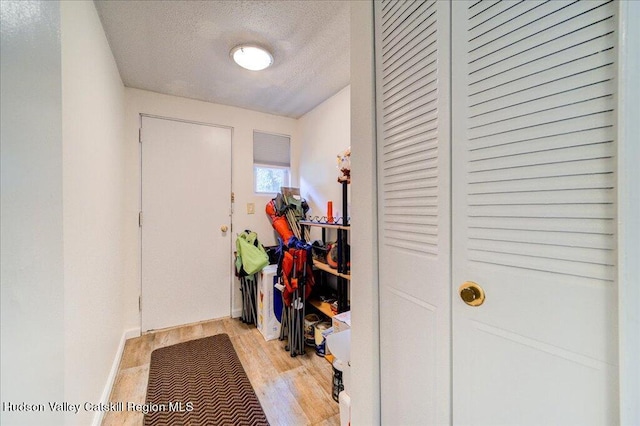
point(252, 256)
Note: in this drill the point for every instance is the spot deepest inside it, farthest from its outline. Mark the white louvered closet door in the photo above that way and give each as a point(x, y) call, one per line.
point(412, 62)
point(534, 213)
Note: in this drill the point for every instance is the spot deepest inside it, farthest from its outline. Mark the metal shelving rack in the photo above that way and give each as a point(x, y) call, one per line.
point(342, 272)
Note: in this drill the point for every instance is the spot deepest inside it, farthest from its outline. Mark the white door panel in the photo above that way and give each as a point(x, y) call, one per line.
point(508, 393)
point(534, 213)
point(409, 375)
point(412, 57)
point(186, 258)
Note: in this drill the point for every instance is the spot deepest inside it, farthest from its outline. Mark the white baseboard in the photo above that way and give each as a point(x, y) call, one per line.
point(131, 333)
point(236, 313)
point(127, 334)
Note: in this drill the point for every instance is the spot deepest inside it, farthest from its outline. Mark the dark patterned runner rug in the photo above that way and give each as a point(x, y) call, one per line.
point(200, 382)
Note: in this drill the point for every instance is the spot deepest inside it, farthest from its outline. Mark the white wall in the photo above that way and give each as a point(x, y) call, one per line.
point(244, 122)
point(324, 132)
point(93, 200)
point(31, 209)
point(365, 359)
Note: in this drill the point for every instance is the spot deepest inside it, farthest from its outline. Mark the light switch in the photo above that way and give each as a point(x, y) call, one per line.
point(251, 208)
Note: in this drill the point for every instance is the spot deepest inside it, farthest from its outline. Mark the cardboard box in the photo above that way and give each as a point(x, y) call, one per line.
point(341, 322)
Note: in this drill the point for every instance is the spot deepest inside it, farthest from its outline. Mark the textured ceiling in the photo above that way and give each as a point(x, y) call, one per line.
point(182, 48)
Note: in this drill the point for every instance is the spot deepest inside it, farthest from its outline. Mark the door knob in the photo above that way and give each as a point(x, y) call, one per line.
point(224, 228)
point(471, 293)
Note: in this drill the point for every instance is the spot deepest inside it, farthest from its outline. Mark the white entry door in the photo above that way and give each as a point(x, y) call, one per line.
point(186, 215)
point(532, 206)
point(534, 214)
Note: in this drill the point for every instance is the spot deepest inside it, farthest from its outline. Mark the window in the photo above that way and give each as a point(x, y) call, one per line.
point(271, 162)
point(269, 179)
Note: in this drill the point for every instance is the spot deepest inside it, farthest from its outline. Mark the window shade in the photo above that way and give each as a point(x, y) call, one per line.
point(272, 150)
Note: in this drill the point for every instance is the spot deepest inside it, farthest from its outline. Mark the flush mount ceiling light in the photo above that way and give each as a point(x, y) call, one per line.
point(253, 58)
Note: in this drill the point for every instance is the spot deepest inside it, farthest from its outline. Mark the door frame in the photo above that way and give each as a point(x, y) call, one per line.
point(231, 213)
point(628, 212)
point(363, 136)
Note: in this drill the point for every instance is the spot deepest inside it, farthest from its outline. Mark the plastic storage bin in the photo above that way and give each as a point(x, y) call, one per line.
point(268, 322)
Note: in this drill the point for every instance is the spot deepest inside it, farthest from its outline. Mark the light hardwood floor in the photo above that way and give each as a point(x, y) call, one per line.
point(292, 391)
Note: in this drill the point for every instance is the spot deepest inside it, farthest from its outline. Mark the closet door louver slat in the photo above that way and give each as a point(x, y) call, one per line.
point(410, 121)
point(541, 130)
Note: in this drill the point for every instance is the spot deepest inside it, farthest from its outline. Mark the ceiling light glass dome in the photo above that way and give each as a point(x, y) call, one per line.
point(253, 58)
